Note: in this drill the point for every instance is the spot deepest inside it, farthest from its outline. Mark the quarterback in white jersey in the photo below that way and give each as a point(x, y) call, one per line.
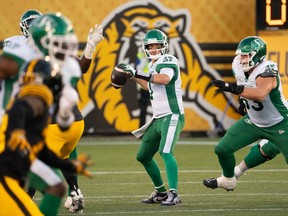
point(161, 133)
point(259, 85)
point(167, 99)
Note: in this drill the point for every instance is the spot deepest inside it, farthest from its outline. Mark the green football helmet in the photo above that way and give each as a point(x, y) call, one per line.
point(155, 36)
point(26, 19)
point(53, 35)
point(256, 50)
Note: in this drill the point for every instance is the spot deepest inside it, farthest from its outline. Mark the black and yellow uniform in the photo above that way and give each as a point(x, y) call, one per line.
point(22, 139)
point(62, 142)
point(19, 122)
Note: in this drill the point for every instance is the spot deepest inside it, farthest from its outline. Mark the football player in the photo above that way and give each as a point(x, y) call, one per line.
point(59, 141)
point(259, 153)
point(259, 84)
point(163, 81)
point(58, 52)
point(23, 140)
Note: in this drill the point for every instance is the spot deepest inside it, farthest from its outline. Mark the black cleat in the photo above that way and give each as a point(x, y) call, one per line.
point(156, 197)
point(173, 199)
point(211, 183)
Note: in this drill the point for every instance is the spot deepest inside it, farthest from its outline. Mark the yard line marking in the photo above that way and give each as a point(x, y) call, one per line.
point(181, 183)
point(188, 195)
point(183, 211)
point(181, 171)
point(137, 142)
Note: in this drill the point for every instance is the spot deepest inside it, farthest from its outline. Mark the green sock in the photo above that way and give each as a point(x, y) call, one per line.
point(161, 188)
point(171, 170)
point(50, 204)
point(73, 155)
point(153, 171)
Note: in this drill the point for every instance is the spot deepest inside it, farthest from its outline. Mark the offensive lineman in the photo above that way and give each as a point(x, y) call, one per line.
point(259, 84)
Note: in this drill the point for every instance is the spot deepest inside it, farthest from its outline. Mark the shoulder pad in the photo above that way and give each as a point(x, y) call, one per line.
point(38, 90)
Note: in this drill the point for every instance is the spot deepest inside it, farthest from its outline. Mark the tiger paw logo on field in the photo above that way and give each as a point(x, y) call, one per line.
point(107, 109)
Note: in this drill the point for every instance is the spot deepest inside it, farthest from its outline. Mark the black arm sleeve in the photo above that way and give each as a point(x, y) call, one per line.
point(51, 159)
point(19, 114)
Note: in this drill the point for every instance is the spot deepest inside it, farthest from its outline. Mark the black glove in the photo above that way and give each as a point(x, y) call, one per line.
point(228, 87)
point(242, 106)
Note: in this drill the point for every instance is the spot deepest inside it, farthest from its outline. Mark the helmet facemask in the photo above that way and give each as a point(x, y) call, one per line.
point(25, 24)
point(60, 46)
point(251, 51)
point(246, 62)
point(160, 52)
point(155, 36)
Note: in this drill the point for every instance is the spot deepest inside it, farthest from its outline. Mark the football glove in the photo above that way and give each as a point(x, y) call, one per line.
point(134, 73)
point(242, 106)
point(95, 35)
point(18, 142)
point(82, 162)
point(69, 98)
point(227, 87)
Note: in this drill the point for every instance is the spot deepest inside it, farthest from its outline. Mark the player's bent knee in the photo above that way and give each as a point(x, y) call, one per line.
point(221, 151)
point(269, 151)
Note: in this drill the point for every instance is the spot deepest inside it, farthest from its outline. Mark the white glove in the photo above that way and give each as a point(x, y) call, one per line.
point(95, 35)
point(69, 98)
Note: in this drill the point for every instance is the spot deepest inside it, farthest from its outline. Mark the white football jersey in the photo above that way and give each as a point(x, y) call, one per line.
point(274, 107)
point(166, 99)
point(20, 51)
point(71, 71)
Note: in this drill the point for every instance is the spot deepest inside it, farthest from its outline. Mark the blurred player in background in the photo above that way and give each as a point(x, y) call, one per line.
point(16, 51)
point(64, 142)
point(23, 140)
point(259, 84)
point(160, 134)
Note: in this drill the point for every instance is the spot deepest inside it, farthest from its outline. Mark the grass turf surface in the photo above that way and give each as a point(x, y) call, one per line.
point(119, 182)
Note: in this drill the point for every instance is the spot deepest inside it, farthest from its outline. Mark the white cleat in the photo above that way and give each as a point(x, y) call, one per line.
point(227, 183)
point(68, 202)
point(77, 205)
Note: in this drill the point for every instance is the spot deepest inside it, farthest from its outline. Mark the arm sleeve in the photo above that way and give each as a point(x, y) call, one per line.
point(51, 159)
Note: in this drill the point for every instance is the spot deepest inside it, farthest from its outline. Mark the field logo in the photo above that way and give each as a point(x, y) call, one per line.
point(117, 110)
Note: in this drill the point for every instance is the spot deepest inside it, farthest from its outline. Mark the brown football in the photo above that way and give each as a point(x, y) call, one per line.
point(118, 77)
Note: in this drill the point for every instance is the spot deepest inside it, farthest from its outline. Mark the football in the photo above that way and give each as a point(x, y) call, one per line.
point(119, 77)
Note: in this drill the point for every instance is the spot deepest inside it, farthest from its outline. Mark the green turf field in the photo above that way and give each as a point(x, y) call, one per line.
point(119, 182)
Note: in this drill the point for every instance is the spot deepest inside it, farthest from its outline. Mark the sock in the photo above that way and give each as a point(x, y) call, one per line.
point(73, 155)
point(243, 167)
point(153, 171)
point(171, 170)
point(50, 204)
point(161, 188)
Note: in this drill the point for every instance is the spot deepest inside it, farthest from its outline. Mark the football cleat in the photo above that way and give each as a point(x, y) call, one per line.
point(77, 205)
point(221, 182)
point(156, 197)
point(68, 202)
point(173, 199)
